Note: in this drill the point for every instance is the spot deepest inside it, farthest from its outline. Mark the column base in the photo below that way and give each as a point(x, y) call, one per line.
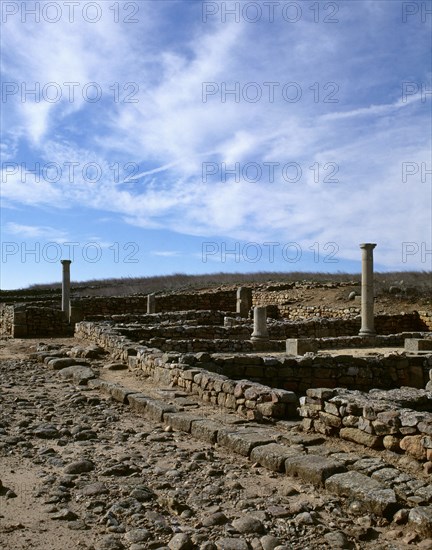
point(257, 338)
point(367, 332)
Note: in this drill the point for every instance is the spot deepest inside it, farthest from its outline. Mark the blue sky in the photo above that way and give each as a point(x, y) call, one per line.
point(187, 136)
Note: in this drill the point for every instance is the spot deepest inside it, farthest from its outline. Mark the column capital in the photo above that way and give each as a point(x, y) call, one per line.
point(367, 246)
point(65, 262)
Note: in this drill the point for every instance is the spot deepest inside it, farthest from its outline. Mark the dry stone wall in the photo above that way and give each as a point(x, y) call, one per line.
point(6, 319)
point(280, 371)
point(33, 321)
point(315, 321)
point(92, 306)
point(426, 319)
point(188, 371)
point(399, 420)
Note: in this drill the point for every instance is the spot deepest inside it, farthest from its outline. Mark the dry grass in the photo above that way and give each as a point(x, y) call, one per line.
point(419, 281)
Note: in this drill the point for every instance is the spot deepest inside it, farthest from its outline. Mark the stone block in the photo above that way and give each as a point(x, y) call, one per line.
point(138, 402)
point(243, 441)
point(181, 421)
point(190, 373)
point(156, 409)
point(331, 408)
point(365, 425)
point(63, 362)
point(284, 396)
point(313, 469)
point(273, 410)
point(330, 419)
point(420, 518)
point(375, 497)
point(321, 393)
point(358, 436)
point(120, 393)
point(417, 344)
point(79, 374)
point(413, 445)
point(300, 346)
point(95, 383)
point(272, 456)
point(205, 430)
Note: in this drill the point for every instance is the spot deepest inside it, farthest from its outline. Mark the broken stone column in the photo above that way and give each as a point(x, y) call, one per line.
point(151, 303)
point(66, 288)
point(367, 291)
point(260, 331)
point(244, 301)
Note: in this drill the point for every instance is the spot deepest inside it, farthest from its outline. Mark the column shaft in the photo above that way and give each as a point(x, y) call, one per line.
point(367, 291)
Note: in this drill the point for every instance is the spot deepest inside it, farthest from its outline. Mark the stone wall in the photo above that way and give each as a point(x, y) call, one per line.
point(6, 319)
point(288, 308)
point(112, 305)
point(290, 373)
point(252, 399)
point(399, 420)
point(426, 319)
point(203, 331)
point(306, 321)
point(33, 321)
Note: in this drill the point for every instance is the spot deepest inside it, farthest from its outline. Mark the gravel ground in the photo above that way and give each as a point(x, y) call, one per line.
point(79, 470)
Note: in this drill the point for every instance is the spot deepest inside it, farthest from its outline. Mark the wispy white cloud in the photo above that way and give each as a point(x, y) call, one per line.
point(170, 132)
point(166, 253)
point(36, 232)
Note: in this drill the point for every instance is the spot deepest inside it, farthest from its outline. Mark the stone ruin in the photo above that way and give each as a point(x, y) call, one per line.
point(225, 349)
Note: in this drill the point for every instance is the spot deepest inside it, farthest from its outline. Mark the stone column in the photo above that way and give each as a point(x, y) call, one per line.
point(66, 288)
point(244, 301)
point(260, 331)
point(151, 303)
point(367, 291)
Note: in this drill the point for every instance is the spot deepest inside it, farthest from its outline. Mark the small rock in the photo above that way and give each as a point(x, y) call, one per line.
point(219, 518)
point(46, 431)
point(79, 467)
point(115, 366)
point(109, 542)
point(231, 544)
point(142, 494)
point(118, 470)
point(420, 518)
point(278, 511)
point(137, 535)
point(248, 524)
point(268, 542)
point(65, 515)
point(391, 443)
point(94, 489)
point(304, 518)
point(412, 444)
point(401, 516)
point(78, 373)
point(181, 541)
point(337, 539)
